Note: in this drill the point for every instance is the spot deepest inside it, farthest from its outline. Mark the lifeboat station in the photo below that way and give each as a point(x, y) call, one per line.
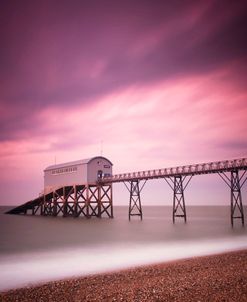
point(84, 188)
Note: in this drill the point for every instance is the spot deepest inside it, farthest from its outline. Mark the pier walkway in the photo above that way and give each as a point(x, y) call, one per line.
point(96, 200)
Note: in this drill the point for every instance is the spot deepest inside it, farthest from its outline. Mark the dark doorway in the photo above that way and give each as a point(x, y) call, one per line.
point(100, 174)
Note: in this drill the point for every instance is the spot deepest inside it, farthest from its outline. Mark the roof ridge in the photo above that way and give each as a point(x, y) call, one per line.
point(76, 162)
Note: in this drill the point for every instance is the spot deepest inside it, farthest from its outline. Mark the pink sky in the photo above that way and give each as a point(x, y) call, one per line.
point(160, 84)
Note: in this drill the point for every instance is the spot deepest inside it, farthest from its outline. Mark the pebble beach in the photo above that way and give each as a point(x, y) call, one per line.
point(220, 277)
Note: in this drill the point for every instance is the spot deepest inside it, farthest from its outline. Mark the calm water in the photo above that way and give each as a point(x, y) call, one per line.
point(35, 249)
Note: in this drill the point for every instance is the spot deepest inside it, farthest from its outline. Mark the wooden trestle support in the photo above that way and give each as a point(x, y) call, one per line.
point(178, 184)
point(75, 201)
point(235, 183)
point(135, 206)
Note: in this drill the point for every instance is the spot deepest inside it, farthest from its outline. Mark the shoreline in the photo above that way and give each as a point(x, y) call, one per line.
point(205, 278)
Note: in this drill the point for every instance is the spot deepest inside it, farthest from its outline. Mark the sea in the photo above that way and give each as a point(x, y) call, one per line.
point(37, 249)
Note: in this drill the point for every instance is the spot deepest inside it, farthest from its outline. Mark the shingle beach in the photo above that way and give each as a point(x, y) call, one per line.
point(213, 278)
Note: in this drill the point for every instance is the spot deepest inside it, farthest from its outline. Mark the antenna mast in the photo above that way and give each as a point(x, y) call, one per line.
point(101, 148)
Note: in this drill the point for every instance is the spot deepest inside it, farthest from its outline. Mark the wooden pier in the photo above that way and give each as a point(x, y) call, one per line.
point(96, 200)
point(75, 201)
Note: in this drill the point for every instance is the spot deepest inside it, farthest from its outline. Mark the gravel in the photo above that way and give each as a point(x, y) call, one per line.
point(212, 278)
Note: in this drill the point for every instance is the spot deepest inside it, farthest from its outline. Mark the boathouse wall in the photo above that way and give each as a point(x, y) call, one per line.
point(85, 171)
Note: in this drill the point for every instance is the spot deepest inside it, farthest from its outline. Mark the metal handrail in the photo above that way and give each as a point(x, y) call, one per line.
point(203, 168)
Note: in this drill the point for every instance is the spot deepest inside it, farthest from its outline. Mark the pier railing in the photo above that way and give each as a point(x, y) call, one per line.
point(178, 179)
point(196, 169)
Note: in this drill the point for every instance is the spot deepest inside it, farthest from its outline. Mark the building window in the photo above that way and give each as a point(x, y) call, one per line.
point(64, 170)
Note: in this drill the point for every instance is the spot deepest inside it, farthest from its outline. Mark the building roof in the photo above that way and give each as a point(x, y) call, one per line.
point(76, 163)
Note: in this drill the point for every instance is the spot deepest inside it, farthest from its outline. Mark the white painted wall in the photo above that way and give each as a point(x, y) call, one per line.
point(86, 173)
point(97, 164)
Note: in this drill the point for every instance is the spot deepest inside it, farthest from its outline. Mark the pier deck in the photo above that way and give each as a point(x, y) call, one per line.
point(96, 200)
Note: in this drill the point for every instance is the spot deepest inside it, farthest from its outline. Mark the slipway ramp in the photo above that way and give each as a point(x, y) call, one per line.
point(33, 205)
point(78, 200)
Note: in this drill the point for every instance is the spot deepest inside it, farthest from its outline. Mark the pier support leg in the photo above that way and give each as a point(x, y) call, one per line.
point(92, 201)
point(54, 204)
point(37, 207)
point(235, 183)
point(135, 207)
point(58, 197)
point(47, 206)
point(179, 209)
point(81, 198)
point(70, 198)
point(42, 206)
point(105, 200)
point(75, 206)
point(236, 198)
point(177, 185)
point(65, 203)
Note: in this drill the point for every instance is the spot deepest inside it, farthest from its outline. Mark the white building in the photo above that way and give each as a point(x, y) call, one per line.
point(85, 171)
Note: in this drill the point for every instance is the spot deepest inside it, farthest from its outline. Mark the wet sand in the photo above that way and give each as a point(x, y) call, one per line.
point(212, 278)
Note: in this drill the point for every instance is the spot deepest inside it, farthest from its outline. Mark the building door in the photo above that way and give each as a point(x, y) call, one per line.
point(100, 174)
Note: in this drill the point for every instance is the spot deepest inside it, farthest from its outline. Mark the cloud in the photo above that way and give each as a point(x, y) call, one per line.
point(73, 54)
point(189, 119)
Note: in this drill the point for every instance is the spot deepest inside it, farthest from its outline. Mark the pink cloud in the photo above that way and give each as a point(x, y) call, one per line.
point(183, 120)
